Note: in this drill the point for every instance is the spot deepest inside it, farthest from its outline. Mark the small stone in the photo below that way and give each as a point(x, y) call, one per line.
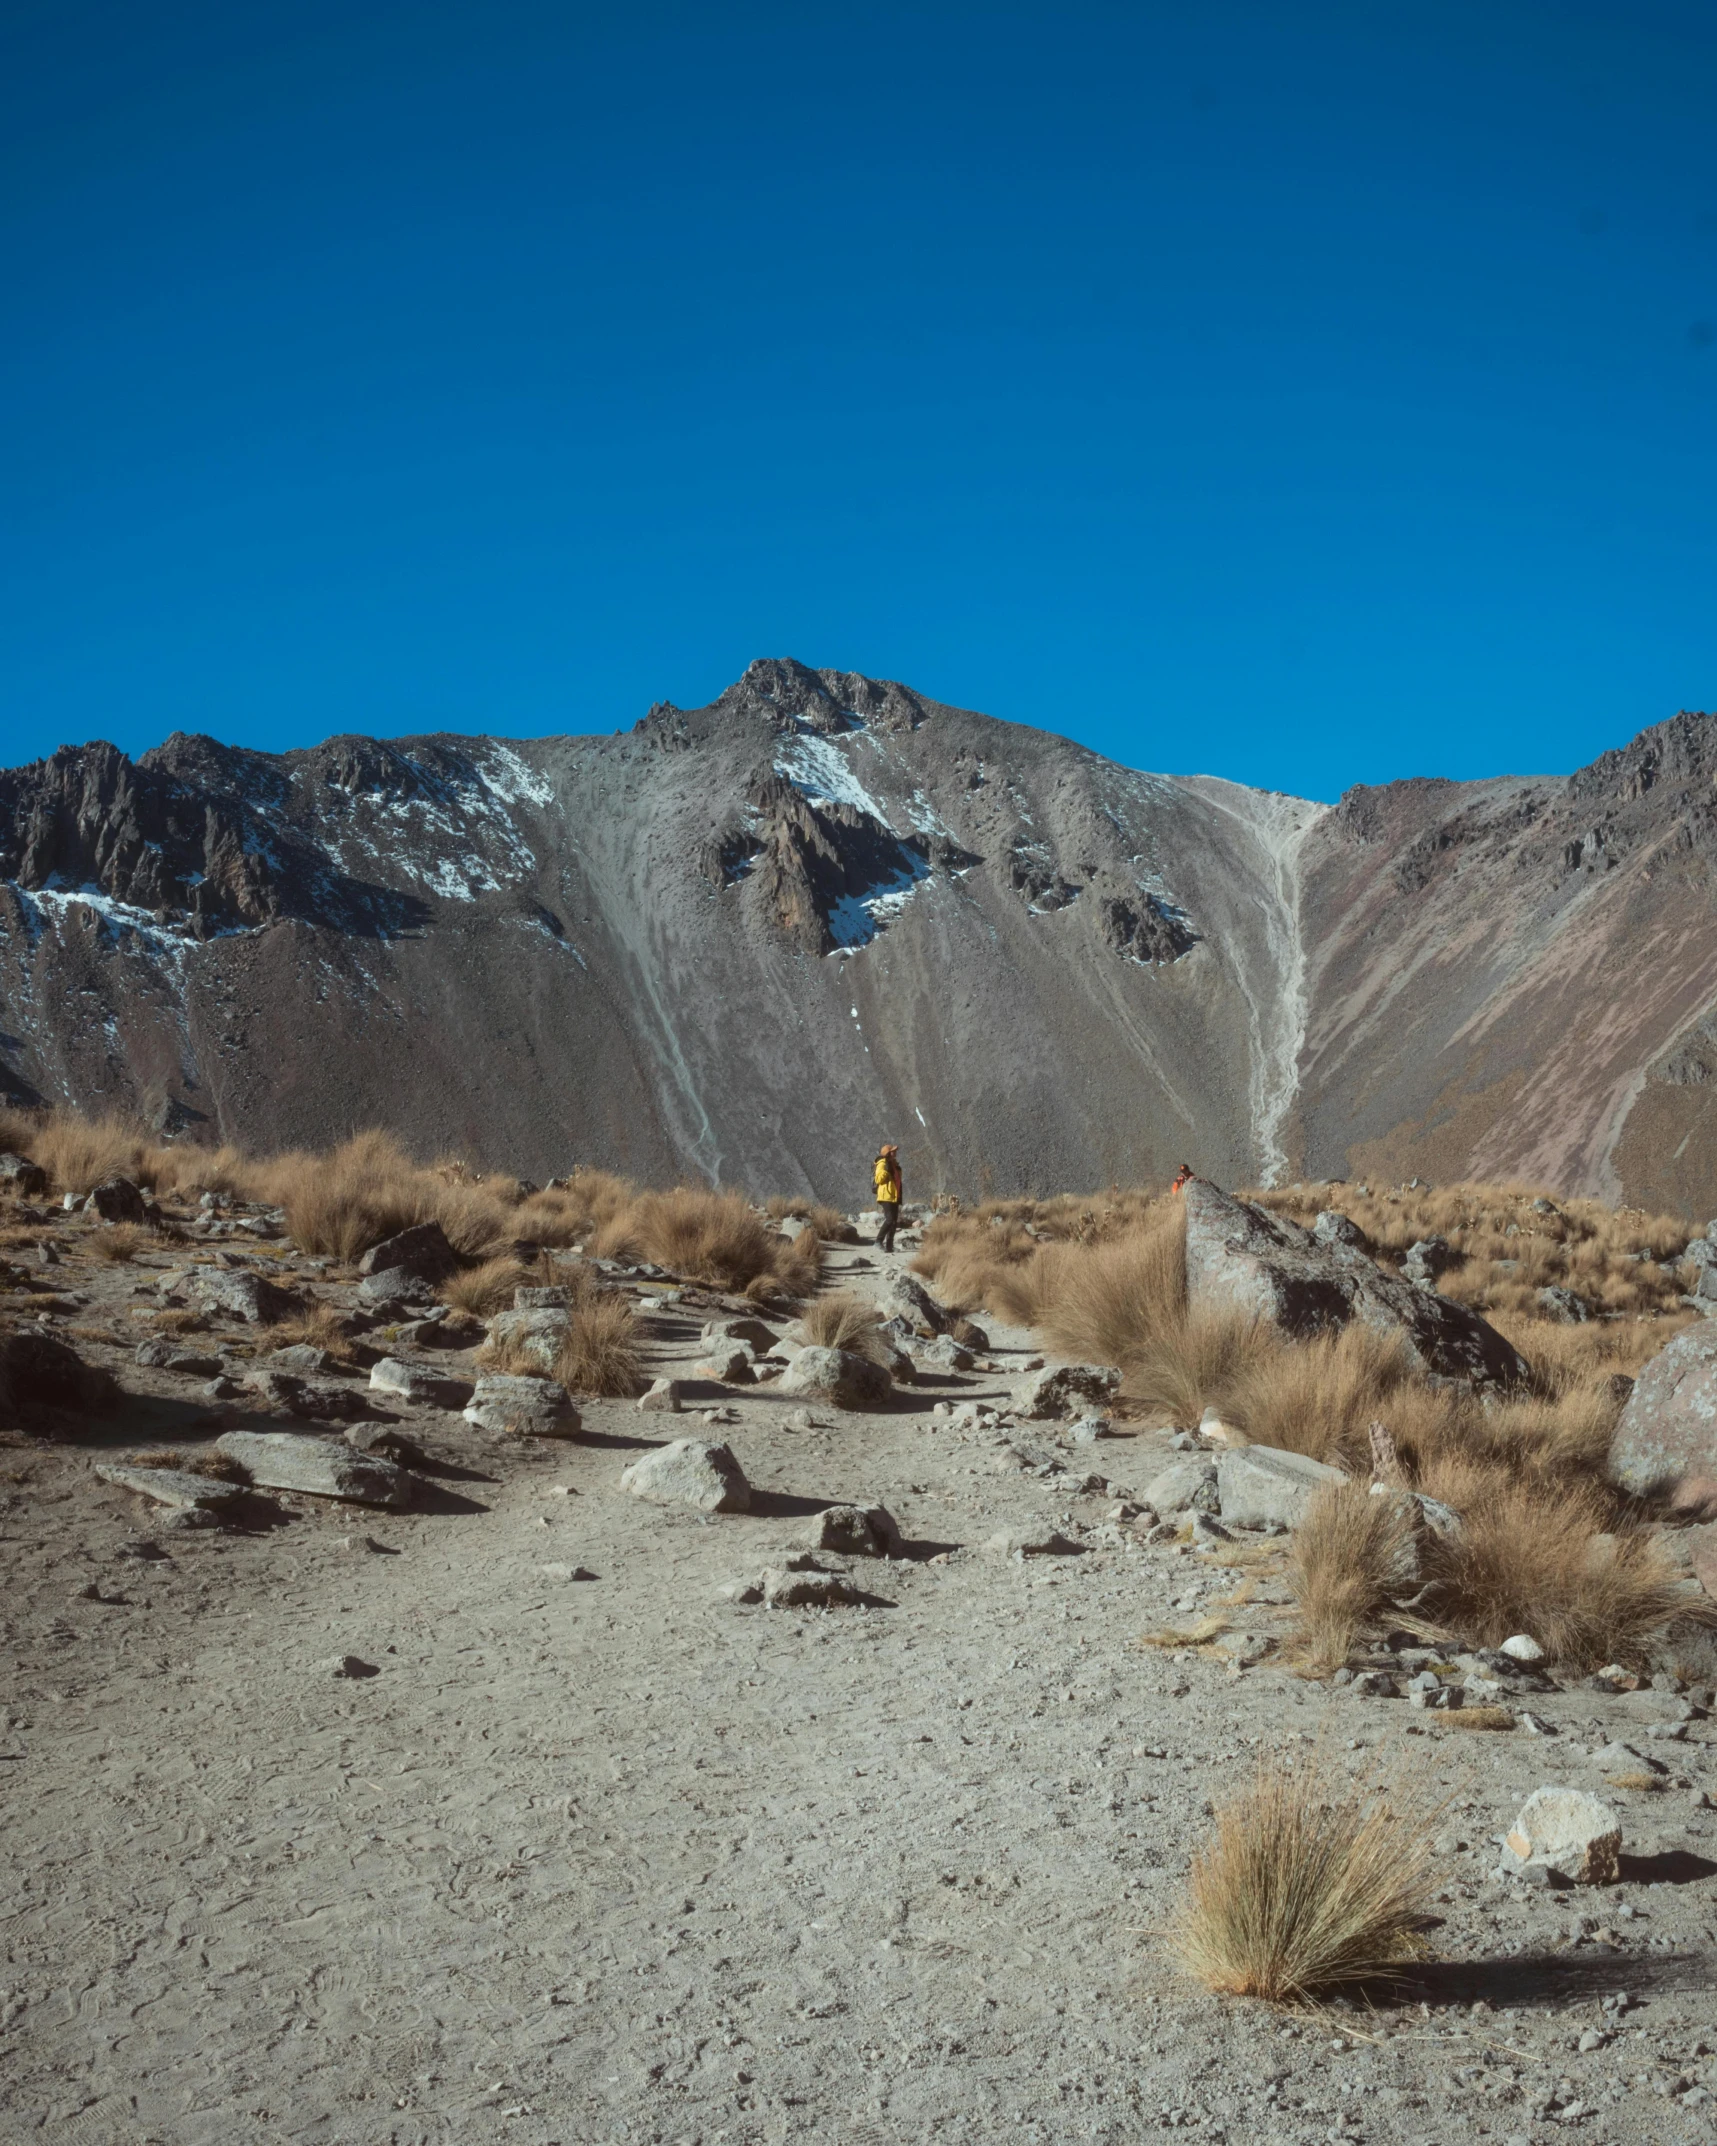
point(1071, 1389)
point(1522, 1648)
point(1593, 2038)
point(1535, 1724)
point(348, 1665)
point(839, 1378)
point(855, 1531)
point(566, 1572)
point(1032, 1542)
point(1620, 1758)
point(662, 1398)
point(807, 1590)
point(522, 1405)
point(421, 1388)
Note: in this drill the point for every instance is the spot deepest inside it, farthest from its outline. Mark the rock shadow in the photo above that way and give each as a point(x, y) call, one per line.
point(1671, 1866)
point(1545, 1978)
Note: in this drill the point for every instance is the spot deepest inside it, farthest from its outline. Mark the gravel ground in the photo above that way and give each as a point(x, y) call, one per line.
point(615, 1859)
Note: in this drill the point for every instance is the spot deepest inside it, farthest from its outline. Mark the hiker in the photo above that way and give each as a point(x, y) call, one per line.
point(888, 1190)
point(1182, 1178)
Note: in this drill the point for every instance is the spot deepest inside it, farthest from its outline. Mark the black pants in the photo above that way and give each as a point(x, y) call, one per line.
point(890, 1213)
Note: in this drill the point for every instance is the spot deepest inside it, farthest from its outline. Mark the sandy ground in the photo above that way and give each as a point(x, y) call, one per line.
point(617, 1860)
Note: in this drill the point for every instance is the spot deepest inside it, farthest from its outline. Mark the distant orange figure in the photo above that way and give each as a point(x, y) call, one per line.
point(1182, 1178)
point(889, 1191)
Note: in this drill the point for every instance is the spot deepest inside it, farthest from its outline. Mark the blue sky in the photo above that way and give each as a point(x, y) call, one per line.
point(1308, 394)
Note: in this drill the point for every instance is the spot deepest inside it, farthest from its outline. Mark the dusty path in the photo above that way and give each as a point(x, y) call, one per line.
point(616, 1860)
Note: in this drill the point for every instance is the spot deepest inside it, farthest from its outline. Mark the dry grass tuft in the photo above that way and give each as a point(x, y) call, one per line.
point(1349, 1554)
point(218, 1467)
point(1478, 1717)
point(1192, 1635)
point(79, 1152)
point(1306, 1886)
point(486, 1289)
point(318, 1327)
point(600, 1354)
point(113, 1247)
point(839, 1321)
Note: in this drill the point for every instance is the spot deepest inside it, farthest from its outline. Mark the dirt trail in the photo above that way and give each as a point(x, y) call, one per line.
point(616, 1860)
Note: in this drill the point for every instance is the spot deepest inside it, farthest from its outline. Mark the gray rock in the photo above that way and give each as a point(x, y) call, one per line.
point(387, 1439)
point(728, 1363)
point(348, 1665)
point(320, 1467)
point(943, 1353)
point(749, 1333)
point(1333, 1228)
point(1183, 1486)
point(528, 1407)
point(422, 1250)
point(163, 1354)
point(903, 1296)
point(1260, 1484)
point(856, 1531)
point(838, 1378)
point(1522, 1648)
point(690, 1472)
point(241, 1295)
point(304, 1359)
point(1569, 1834)
point(1566, 1306)
point(1038, 1541)
point(1665, 1441)
point(175, 1486)
point(1428, 1260)
point(1375, 1684)
point(807, 1590)
point(1088, 1430)
point(1069, 1390)
point(395, 1285)
point(1618, 1757)
point(662, 1397)
point(411, 1382)
point(117, 1199)
point(28, 1179)
point(547, 1297)
point(1241, 1258)
point(535, 1335)
point(1434, 1694)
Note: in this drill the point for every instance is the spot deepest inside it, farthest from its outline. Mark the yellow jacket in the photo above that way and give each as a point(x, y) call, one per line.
point(887, 1178)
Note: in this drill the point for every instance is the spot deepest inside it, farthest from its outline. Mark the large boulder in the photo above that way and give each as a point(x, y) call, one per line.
point(1243, 1259)
point(856, 1531)
point(422, 1250)
point(1665, 1442)
point(528, 1407)
point(18, 1174)
point(1184, 1486)
point(1567, 1833)
point(533, 1337)
point(35, 1369)
point(689, 1472)
point(1261, 1486)
point(837, 1377)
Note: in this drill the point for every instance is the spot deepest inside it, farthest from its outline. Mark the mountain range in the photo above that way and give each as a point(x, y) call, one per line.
point(745, 942)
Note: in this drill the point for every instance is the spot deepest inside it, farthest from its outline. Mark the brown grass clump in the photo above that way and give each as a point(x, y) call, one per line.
point(1479, 1717)
point(486, 1289)
point(1349, 1555)
point(1305, 1887)
point(218, 1467)
point(318, 1327)
point(1541, 1558)
point(79, 1152)
point(713, 1237)
point(338, 1205)
point(116, 1245)
point(839, 1321)
point(600, 1354)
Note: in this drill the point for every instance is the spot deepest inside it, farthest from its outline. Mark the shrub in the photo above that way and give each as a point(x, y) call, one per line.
point(486, 1289)
point(1305, 1887)
point(600, 1354)
point(839, 1321)
point(116, 1245)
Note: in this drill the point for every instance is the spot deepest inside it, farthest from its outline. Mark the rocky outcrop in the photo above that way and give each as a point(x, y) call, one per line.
point(1243, 1259)
point(1665, 1442)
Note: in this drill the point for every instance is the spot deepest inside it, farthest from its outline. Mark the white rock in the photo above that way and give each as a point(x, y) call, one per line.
point(838, 1377)
point(1570, 1833)
point(411, 1382)
point(662, 1398)
point(1522, 1648)
point(1183, 1486)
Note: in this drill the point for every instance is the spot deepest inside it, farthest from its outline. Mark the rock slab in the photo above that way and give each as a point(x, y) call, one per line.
point(1246, 1261)
point(1665, 1441)
point(175, 1486)
point(528, 1407)
point(320, 1467)
point(1258, 1485)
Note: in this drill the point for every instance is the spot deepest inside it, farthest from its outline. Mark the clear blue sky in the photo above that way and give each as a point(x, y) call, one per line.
point(1308, 393)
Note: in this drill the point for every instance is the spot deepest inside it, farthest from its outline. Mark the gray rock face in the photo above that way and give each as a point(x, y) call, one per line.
point(690, 1472)
point(1243, 1259)
point(241, 1295)
point(117, 1199)
point(321, 1467)
point(529, 1407)
point(1067, 1391)
point(412, 1383)
point(396, 1285)
point(1184, 1486)
point(838, 1378)
point(303, 1359)
point(162, 1354)
point(1566, 1306)
point(942, 1354)
point(1428, 1260)
point(549, 1297)
point(727, 1363)
point(662, 1397)
point(422, 1250)
point(1569, 1833)
point(748, 1333)
point(855, 1531)
point(902, 1296)
point(1259, 1485)
point(534, 1335)
point(1665, 1441)
point(1333, 1228)
point(177, 1487)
